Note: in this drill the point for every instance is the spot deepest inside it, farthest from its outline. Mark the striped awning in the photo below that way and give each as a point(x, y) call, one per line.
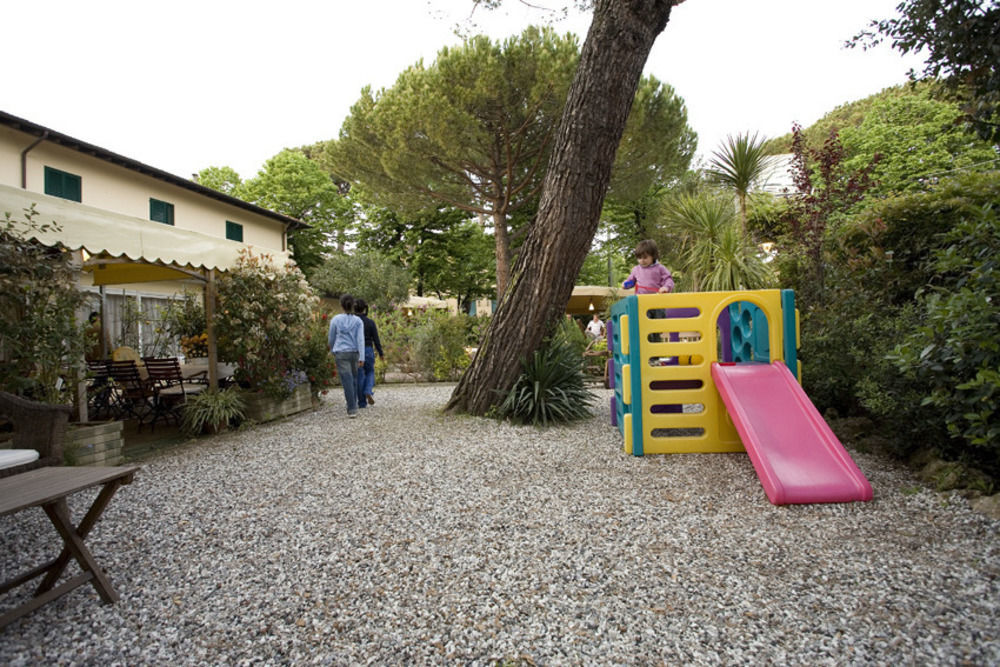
point(124, 249)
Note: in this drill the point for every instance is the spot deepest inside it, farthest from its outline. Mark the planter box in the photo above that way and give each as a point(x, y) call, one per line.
point(262, 408)
point(94, 443)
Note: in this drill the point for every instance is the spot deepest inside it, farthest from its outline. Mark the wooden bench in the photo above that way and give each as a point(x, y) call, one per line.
point(48, 488)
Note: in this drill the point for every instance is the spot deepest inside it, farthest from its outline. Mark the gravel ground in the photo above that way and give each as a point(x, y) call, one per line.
point(408, 537)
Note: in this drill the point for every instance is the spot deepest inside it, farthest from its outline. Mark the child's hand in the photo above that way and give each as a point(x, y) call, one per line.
point(629, 284)
point(664, 290)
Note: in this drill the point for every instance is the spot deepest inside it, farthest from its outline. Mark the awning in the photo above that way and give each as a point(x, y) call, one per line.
point(417, 302)
point(125, 249)
point(587, 299)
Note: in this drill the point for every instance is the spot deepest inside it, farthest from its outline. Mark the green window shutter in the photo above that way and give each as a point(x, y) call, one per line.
point(63, 184)
point(161, 211)
point(234, 231)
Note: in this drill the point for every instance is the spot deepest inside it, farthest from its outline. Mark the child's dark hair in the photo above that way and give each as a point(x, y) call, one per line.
point(347, 303)
point(360, 307)
point(647, 247)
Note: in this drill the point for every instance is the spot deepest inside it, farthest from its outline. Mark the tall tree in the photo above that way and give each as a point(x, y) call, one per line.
point(223, 179)
point(292, 184)
point(445, 252)
point(960, 40)
point(621, 35)
point(473, 130)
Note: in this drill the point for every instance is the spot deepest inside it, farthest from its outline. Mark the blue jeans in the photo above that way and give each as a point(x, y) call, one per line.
point(347, 369)
point(366, 377)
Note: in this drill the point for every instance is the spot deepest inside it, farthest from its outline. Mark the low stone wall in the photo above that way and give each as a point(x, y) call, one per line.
point(94, 443)
point(263, 408)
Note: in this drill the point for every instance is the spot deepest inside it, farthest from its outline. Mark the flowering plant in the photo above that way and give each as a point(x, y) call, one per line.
point(264, 321)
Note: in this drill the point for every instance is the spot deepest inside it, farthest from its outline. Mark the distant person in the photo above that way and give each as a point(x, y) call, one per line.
point(97, 344)
point(366, 376)
point(346, 340)
point(595, 328)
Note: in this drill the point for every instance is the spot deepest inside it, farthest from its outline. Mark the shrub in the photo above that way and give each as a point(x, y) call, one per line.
point(263, 323)
point(439, 346)
point(317, 363)
point(550, 388)
point(39, 335)
point(955, 355)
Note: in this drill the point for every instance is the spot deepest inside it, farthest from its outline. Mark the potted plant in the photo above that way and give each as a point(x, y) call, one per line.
point(212, 410)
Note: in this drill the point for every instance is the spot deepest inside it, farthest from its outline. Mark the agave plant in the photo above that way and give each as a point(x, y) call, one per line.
point(550, 388)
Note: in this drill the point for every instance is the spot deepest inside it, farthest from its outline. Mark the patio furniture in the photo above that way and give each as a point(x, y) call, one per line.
point(48, 488)
point(135, 394)
point(100, 394)
point(38, 427)
point(170, 390)
point(195, 369)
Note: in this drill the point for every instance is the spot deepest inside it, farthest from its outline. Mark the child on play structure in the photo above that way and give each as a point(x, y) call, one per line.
point(649, 276)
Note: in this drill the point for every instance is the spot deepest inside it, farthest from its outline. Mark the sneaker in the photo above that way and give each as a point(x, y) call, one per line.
point(352, 415)
point(371, 399)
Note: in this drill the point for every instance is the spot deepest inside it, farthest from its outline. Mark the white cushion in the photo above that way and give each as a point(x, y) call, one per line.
point(16, 457)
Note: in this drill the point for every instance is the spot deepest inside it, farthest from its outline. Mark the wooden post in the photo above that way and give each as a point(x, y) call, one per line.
point(213, 352)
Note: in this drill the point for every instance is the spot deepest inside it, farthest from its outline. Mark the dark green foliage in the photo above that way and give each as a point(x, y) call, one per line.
point(917, 271)
point(959, 41)
point(39, 335)
point(550, 389)
point(955, 355)
point(212, 408)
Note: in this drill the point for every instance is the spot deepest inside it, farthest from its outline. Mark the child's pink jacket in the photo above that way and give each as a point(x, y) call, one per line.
point(649, 279)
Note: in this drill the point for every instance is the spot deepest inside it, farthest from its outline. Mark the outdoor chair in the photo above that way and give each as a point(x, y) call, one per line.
point(39, 430)
point(100, 393)
point(170, 391)
point(135, 394)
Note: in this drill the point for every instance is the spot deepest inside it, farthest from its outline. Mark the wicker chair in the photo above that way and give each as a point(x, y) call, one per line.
point(37, 426)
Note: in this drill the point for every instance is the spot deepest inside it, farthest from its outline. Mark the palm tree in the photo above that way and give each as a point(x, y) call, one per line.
point(709, 249)
point(740, 164)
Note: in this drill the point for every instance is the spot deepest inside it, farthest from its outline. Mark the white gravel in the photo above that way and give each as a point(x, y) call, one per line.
point(409, 537)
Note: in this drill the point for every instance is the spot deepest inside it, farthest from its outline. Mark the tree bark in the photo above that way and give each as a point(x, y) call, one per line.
point(621, 35)
point(502, 239)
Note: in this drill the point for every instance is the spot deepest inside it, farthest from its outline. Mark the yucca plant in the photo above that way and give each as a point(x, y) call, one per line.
point(214, 409)
point(550, 389)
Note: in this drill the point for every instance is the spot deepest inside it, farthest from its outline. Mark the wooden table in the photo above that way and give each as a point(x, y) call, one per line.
point(48, 488)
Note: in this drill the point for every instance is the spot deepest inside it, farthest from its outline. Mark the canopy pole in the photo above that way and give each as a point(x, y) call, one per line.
point(213, 352)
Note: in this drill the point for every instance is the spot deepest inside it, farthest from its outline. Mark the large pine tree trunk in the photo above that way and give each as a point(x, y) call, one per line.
point(621, 35)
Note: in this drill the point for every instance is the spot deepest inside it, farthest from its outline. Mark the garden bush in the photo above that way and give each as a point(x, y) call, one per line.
point(39, 334)
point(954, 357)
point(264, 321)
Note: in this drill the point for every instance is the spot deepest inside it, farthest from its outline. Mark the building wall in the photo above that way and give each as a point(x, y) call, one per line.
point(121, 190)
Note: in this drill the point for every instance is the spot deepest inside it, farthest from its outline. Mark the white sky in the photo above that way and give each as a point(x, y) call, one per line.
point(184, 85)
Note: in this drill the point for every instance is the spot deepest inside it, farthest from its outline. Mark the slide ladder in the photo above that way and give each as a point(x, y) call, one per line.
point(795, 453)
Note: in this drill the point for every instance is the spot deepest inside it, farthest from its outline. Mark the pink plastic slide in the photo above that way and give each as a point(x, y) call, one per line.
point(796, 455)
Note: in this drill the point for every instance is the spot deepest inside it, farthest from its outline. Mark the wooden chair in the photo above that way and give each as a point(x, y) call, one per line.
point(100, 394)
point(170, 391)
point(37, 426)
point(135, 395)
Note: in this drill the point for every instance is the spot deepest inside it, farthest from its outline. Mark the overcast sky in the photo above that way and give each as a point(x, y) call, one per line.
point(184, 85)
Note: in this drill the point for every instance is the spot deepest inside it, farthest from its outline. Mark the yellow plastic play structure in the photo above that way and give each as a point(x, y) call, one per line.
point(664, 344)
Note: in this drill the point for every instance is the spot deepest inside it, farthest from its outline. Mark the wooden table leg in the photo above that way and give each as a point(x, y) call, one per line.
point(58, 513)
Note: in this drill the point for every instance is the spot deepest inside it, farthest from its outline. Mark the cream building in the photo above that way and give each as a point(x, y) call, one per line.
point(142, 235)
